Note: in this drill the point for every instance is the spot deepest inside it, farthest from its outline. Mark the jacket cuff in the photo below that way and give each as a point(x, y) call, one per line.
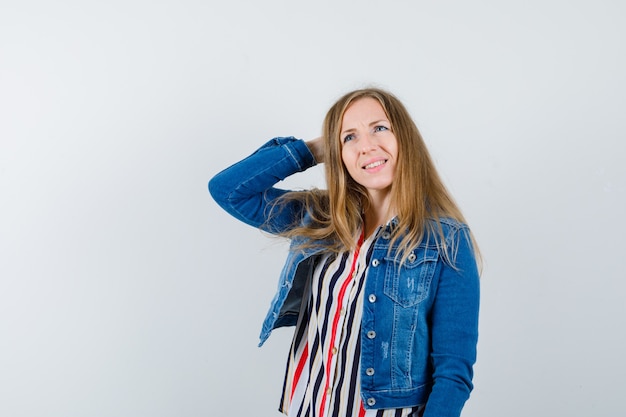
point(297, 149)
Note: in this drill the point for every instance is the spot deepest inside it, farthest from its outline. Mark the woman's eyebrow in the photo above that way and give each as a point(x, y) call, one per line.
point(352, 129)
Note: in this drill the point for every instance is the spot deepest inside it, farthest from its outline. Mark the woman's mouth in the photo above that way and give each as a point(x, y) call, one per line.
point(375, 164)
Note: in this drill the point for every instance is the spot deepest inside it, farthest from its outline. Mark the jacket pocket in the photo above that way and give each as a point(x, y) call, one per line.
point(408, 284)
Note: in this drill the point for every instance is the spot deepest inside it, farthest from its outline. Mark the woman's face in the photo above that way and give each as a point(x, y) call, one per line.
point(369, 149)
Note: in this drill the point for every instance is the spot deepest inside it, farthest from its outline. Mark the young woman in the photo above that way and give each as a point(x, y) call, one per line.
point(381, 279)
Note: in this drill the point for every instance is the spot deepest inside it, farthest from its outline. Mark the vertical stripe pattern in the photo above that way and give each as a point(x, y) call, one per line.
point(322, 375)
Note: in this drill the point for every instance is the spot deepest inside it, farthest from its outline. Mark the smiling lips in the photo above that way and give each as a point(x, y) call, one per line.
point(375, 164)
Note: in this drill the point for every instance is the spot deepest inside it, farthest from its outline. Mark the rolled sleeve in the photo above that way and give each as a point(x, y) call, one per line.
point(246, 189)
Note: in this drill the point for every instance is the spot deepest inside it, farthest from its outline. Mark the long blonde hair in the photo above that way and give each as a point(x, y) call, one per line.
point(417, 193)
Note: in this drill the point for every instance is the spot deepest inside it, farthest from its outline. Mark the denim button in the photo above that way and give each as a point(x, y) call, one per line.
point(369, 371)
point(371, 334)
point(412, 257)
point(371, 402)
point(375, 263)
point(386, 235)
point(372, 298)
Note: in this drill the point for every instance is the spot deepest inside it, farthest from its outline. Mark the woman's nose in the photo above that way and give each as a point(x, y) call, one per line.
point(366, 143)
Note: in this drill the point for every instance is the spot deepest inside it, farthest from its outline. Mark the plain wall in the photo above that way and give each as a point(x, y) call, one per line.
point(126, 291)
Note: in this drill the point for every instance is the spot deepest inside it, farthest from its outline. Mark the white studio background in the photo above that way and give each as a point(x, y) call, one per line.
point(126, 291)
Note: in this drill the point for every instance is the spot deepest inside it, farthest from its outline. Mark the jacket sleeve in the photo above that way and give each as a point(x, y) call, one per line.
point(454, 330)
point(246, 189)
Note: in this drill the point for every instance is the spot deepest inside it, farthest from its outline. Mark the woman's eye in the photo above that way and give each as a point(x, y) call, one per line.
point(380, 128)
point(348, 138)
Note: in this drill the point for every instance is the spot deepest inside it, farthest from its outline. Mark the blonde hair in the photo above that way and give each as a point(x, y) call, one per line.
point(417, 193)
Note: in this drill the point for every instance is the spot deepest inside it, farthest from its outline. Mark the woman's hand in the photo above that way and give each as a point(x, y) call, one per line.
point(316, 146)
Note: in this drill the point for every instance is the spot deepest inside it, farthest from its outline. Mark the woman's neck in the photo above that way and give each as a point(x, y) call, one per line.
point(377, 215)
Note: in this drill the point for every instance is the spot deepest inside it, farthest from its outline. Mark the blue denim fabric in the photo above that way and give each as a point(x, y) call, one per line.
point(420, 320)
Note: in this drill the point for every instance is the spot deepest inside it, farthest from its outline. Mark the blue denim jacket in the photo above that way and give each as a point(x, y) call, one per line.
point(420, 321)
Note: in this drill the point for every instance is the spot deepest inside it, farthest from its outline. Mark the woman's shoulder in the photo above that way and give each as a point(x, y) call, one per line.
point(445, 227)
point(450, 223)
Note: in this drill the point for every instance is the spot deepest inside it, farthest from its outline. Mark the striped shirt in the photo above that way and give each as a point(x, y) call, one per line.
point(323, 368)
